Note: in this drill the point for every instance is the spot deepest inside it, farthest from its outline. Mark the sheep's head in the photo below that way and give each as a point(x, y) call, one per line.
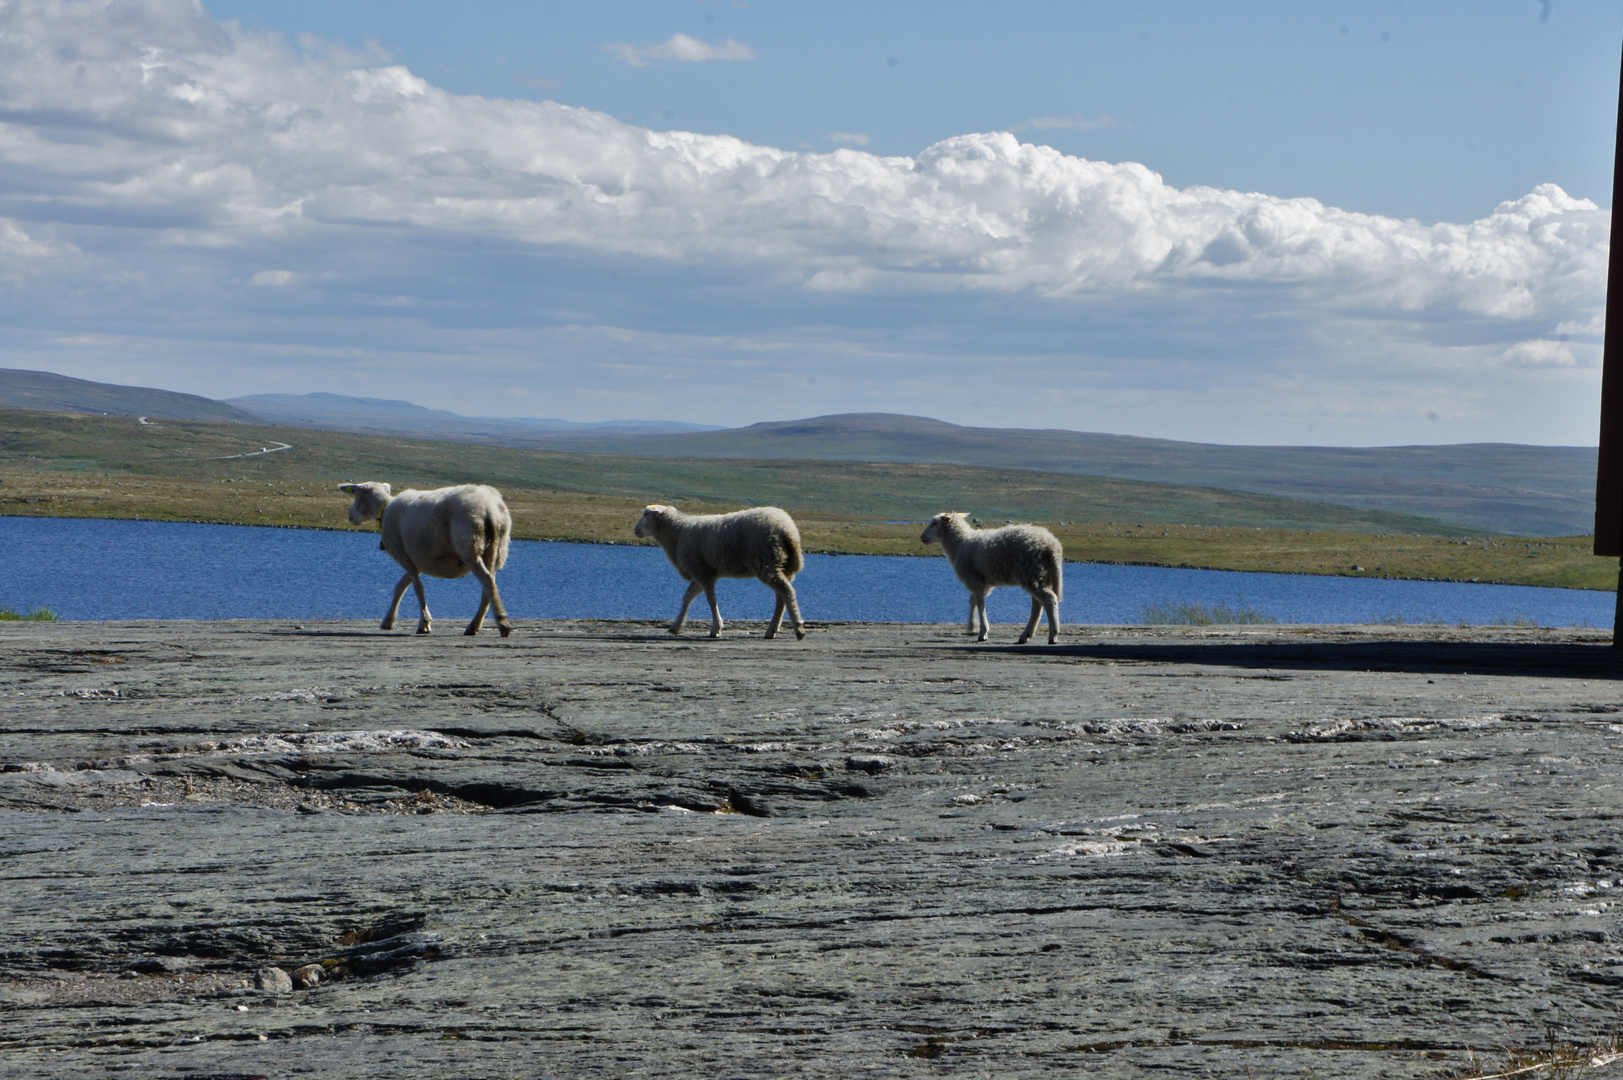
point(938, 525)
point(370, 499)
point(649, 520)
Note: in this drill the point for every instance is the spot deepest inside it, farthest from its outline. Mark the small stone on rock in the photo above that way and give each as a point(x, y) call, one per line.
point(307, 976)
point(869, 763)
point(273, 980)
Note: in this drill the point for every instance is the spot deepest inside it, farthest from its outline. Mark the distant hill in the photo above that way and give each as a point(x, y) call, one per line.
point(1497, 487)
point(50, 392)
point(1503, 487)
point(384, 416)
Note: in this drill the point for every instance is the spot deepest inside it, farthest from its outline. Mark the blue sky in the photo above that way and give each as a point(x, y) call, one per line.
point(1437, 110)
point(1349, 223)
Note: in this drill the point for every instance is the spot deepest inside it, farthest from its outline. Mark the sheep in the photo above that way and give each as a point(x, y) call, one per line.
point(1025, 555)
point(760, 543)
point(444, 533)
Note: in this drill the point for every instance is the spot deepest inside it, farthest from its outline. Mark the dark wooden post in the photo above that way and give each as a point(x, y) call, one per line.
point(1609, 475)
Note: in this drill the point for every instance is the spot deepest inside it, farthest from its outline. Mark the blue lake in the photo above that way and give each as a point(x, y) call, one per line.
point(94, 569)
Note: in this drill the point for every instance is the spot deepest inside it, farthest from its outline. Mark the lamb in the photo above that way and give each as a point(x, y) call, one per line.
point(760, 543)
point(1025, 555)
point(446, 533)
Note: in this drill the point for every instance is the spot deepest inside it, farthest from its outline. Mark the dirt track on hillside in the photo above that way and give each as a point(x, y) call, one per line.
point(595, 850)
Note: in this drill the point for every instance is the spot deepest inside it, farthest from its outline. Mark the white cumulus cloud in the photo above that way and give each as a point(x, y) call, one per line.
point(1540, 353)
point(13, 241)
point(682, 47)
point(146, 150)
point(171, 116)
point(151, 113)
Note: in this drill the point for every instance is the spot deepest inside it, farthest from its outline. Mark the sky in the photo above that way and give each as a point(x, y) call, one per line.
point(1329, 223)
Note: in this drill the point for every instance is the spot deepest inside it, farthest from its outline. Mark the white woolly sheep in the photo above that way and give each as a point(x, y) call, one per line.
point(760, 543)
point(1025, 555)
point(446, 533)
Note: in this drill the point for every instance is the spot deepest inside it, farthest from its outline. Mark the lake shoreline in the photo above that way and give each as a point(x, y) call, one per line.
point(181, 570)
point(1589, 582)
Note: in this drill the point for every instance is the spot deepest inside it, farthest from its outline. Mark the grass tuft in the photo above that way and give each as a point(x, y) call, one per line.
point(1168, 613)
point(37, 615)
point(1556, 1061)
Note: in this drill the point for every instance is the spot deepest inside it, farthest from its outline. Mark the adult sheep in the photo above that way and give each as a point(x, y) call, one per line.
point(1025, 555)
point(446, 533)
point(760, 543)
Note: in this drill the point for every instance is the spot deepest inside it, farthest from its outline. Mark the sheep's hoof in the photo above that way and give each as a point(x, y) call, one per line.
point(386, 624)
point(800, 635)
point(506, 631)
point(424, 630)
point(472, 630)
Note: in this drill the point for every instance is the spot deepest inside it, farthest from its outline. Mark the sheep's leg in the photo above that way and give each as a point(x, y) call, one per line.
point(687, 601)
point(426, 623)
point(394, 604)
point(787, 600)
point(489, 597)
point(794, 612)
point(1051, 605)
point(715, 611)
point(1031, 623)
point(977, 616)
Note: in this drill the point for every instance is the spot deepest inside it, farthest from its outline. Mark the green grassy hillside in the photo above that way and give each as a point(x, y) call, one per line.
point(58, 393)
point(92, 466)
point(1488, 487)
point(1493, 487)
point(876, 491)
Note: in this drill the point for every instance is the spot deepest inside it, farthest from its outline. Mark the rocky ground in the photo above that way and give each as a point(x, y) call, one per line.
point(592, 850)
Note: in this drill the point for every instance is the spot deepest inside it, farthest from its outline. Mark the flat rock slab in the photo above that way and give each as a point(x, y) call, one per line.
point(594, 850)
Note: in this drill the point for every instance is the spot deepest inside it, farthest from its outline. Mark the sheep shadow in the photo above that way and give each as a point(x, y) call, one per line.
point(1560, 660)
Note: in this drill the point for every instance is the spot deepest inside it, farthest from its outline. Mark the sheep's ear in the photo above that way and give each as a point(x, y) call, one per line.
point(347, 489)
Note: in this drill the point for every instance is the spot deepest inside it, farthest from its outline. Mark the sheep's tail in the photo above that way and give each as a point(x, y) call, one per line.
point(496, 541)
point(1054, 563)
point(794, 560)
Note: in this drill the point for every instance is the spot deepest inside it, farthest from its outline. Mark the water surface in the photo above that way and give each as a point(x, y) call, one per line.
point(101, 569)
